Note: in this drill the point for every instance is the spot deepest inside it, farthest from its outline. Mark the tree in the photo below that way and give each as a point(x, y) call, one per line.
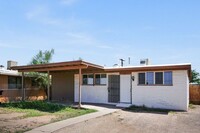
point(195, 77)
point(42, 57)
point(41, 79)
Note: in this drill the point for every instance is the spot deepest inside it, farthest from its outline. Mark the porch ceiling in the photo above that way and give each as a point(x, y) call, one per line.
point(60, 66)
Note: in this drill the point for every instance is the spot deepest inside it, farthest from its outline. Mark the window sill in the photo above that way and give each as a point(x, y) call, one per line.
point(87, 85)
point(100, 85)
point(155, 85)
point(94, 85)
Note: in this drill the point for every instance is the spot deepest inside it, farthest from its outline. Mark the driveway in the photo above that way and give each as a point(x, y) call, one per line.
point(140, 122)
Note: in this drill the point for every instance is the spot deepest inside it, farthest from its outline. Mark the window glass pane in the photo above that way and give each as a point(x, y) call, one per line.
point(150, 78)
point(168, 78)
point(85, 79)
point(12, 82)
point(141, 78)
point(90, 79)
point(19, 82)
point(97, 79)
point(103, 79)
point(103, 75)
point(159, 77)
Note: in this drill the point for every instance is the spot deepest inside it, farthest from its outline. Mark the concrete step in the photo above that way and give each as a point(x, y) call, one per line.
point(123, 105)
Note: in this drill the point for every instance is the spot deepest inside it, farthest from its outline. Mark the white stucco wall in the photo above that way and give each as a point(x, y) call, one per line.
point(90, 93)
point(168, 97)
point(125, 86)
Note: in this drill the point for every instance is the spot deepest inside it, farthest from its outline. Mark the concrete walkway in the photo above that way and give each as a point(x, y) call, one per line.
point(53, 127)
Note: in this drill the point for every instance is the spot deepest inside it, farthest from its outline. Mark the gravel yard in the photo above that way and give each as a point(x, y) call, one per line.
point(141, 122)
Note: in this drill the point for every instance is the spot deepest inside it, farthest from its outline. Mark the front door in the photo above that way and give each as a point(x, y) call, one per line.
point(114, 88)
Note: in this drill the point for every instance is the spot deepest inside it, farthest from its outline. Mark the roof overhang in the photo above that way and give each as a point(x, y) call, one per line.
point(172, 67)
point(60, 66)
point(150, 68)
point(79, 64)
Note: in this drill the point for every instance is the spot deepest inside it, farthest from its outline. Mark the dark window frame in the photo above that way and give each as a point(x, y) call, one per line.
point(86, 77)
point(159, 79)
point(140, 77)
point(101, 75)
point(14, 82)
point(162, 82)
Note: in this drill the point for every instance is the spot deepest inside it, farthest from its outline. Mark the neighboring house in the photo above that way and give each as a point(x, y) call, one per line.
point(11, 86)
point(156, 86)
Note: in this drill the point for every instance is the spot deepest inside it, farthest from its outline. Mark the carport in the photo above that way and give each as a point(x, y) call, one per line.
point(77, 67)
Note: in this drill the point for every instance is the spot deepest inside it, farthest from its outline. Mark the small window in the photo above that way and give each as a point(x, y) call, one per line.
point(150, 78)
point(103, 79)
point(159, 78)
point(100, 79)
point(14, 82)
point(85, 82)
point(168, 78)
point(141, 78)
point(97, 79)
point(88, 79)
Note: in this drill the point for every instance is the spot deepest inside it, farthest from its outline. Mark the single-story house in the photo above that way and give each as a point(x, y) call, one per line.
point(11, 86)
point(155, 86)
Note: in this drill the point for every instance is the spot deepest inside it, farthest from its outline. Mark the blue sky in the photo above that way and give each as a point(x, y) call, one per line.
point(101, 31)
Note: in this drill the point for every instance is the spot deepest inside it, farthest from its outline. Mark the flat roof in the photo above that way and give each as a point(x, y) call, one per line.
point(58, 66)
point(75, 65)
point(183, 66)
point(9, 72)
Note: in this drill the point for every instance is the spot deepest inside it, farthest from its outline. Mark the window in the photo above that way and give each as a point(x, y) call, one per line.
point(168, 78)
point(141, 78)
point(150, 78)
point(85, 82)
point(159, 78)
point(88, 79)
point(155, 78)
point(14, 82)
point(100, 79)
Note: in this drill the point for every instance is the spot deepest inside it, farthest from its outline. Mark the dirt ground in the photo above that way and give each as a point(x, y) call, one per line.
point(140, 122)
point(12, 122)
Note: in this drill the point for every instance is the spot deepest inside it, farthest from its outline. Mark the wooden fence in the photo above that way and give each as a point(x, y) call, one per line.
point(195, 94)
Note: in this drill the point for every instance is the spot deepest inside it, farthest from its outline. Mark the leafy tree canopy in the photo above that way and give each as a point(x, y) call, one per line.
point(195, 77)
point(42, 57)
point(41, 79)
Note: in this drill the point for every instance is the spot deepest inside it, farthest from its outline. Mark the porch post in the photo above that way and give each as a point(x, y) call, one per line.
point(48, 86)
point(80, 82)
point(23, 93)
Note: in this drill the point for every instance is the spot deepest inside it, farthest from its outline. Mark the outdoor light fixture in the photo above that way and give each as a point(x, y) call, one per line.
point(133, 78)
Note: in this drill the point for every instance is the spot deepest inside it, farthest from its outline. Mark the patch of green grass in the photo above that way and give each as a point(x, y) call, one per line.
point(145, 109)
point(40, 108)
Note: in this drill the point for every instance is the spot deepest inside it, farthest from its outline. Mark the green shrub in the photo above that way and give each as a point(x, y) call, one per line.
point(37, 105)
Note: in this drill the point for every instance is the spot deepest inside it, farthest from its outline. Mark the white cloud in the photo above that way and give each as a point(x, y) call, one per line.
point(68, 2)
point(80, 38)
point(41, 14)
point(36, 12)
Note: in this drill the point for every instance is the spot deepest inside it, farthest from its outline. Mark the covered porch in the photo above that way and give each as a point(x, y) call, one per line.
point(61, 78)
